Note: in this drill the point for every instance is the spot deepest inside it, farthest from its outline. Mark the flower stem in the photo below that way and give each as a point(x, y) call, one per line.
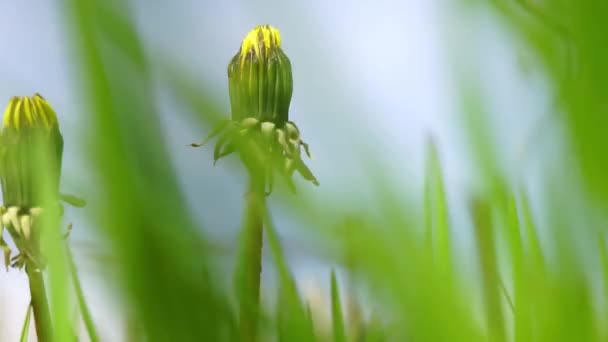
point(40, 305)
point(251, 260)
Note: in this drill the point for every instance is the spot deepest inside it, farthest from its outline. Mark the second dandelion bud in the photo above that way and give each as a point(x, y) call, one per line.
point(260, 87)
point(31, 148)
point(31, 151)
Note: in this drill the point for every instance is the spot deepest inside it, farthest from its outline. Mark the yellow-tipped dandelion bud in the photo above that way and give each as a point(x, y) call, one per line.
point(260, 86)
point(31, 148)
point(259, 77)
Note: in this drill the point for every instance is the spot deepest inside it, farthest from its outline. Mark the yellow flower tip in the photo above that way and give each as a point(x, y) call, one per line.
point(260, 38)
point(33, 111)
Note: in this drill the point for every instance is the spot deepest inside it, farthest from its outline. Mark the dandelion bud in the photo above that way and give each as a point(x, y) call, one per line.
point(259, 78)
point(31, 147)
point(260, 86)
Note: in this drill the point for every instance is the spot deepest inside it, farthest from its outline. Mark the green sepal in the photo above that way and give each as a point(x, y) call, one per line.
point(223, 147)
point(73, 200)
point(6, 250)
point(217, 130)
point(305, 172)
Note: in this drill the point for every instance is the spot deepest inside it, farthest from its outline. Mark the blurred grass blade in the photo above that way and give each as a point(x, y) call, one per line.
point(293, 319)
point(25, 331)
point(604, 262)
point(375, 331)
point(436, 212)
point(82, 305)
point(484, 230)
point(520, 292)
point(140, 208)
point(59, 294)
point(336, 311)
point(535, 274)
point(536, 259)
point(578, 76)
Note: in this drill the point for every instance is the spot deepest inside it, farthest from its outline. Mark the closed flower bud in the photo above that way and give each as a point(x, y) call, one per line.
point(259, 77)
point(260, 86)
point(31, 148)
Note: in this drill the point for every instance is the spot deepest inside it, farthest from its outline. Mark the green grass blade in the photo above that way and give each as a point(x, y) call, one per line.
point(604, 262)
point(520, 298)
point(436, 212)
point(163, 269)
point(82, 305)
point(25, 331)
point(293, 319)
point(534, 248)
point(59, 294)
point(336, 311)
point(484, 230)
point(428, 206)
point(534, 268)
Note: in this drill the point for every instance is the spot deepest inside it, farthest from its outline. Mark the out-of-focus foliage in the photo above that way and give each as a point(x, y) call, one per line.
point(569, 40)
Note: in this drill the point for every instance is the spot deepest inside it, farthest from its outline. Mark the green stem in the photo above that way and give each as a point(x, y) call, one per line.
point(40, 305)
point(250, 263)
point(84, 309)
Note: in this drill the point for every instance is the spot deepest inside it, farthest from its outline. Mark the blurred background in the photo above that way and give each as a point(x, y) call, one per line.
point(499, 105)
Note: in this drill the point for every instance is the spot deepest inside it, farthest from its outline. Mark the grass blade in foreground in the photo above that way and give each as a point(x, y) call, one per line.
point(438, 231)
point(293, 319)
point(521, 319)
point(484, 231)
point(82, 304)
point(336, 311)
point(162, 269)
point(25, 331)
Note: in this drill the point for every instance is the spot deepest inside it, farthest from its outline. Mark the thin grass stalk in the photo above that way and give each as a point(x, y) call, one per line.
point(277, 253)
point(40, 305)
point(82, 305)
point(25, 330)
point(294, 320)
